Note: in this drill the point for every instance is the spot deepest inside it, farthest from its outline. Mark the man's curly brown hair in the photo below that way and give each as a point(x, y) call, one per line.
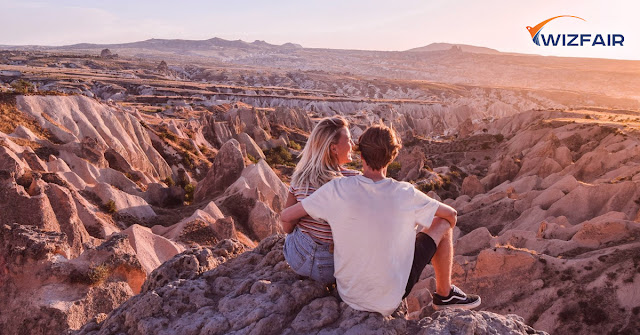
point(379, 146)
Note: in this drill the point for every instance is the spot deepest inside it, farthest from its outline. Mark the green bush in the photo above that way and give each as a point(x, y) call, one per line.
point(294, 145)
point(169, 181)
point(98, 274)
point(190, 189)
point(110, 206)
point(187, 160)
point(279, 156)
point(252, 159)
point(23, 87)
point(188, 146)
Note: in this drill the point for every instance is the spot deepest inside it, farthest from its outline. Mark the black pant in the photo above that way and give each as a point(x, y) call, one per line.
point(425, 249)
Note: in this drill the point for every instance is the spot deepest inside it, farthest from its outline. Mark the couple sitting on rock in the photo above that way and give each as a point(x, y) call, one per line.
point(365, 223)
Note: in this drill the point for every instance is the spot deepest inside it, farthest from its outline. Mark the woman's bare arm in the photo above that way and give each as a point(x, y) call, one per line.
point(290, 217)
point(289, 226)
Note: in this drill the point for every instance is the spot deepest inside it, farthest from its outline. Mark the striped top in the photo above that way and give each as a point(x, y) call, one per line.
point(318, 230)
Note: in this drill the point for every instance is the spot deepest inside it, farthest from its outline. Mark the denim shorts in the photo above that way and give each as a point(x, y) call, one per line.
point(309, 258)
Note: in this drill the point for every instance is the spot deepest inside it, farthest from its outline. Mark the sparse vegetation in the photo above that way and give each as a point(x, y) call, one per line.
point(187, 161)
point(169, 181)
point(393, 169)
point(164, 133)
point(95, 275)
point(252, 159)
point(98, 274)
point(188, 146)
point(279, 156)
point(11, 117)
point(294, 145)
point(110, 206)
point(23, 87)
point(189, 189)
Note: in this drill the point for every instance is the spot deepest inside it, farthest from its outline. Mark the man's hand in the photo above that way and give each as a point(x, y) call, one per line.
point(448, 213)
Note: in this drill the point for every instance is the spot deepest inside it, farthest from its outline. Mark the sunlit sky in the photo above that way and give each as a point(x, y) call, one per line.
point(367, 25)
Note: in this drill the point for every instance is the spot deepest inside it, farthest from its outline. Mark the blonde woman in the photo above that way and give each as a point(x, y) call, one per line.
point(309, 246)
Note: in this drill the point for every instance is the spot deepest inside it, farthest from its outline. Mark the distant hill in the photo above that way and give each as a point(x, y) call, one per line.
point(463, 47)
point(179, 44)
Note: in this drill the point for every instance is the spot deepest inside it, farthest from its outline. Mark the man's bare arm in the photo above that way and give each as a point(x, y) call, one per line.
point(290, 217)
point(448, 213)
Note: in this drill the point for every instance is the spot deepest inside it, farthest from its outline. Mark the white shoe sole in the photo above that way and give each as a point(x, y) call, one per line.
point(465, 306)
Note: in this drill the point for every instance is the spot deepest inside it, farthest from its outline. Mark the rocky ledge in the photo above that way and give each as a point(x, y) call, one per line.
point(198, 292)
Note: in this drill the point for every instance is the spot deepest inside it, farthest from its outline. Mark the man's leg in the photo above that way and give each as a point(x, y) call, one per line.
point(425, 252)
point(446, 294)
point(441, 233)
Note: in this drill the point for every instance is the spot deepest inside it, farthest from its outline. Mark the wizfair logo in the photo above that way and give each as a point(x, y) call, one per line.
point(572, 40)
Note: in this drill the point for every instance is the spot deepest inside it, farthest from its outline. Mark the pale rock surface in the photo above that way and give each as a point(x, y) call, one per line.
point(250, 145)
point(125, 203)
point(73, 118)
point(255, 200)
point(291, 118)
point(501, 171)
point(547, 198)
point(151, 249)
point(24, 132)
point(411, 164)
point(17, 205)
point(472, 186)
point(257, 293)
point(473, 242)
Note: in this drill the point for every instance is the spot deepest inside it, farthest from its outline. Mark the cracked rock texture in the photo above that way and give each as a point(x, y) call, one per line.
point(219, 291)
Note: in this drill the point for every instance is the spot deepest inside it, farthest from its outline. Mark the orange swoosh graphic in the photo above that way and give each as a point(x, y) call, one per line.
point(533, 31)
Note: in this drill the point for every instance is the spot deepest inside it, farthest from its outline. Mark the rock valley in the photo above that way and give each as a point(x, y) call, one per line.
point(140, 188)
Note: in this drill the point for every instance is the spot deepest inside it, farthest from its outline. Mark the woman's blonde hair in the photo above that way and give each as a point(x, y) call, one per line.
point(316, 166)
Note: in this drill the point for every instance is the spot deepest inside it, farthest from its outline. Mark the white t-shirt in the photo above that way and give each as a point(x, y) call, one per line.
point(374, 233)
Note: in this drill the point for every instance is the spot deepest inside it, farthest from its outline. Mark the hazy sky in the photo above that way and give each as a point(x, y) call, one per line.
point(369, 25)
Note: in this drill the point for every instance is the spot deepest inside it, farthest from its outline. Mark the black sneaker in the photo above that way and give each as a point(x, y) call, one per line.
point(456, 299)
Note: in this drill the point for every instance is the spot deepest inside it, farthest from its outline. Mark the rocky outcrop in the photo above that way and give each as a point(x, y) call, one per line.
point(257, 293)
point(151, 249)
point(290, 117)
point(472, 186)
point(44, 292)
point(74, 118)
point(250, 146)
point(255, 199)
point(123, 202)
point(227, 167)
point(205, 227)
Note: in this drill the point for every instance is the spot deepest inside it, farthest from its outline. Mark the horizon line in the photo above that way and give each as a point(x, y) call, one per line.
point(505, 53)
